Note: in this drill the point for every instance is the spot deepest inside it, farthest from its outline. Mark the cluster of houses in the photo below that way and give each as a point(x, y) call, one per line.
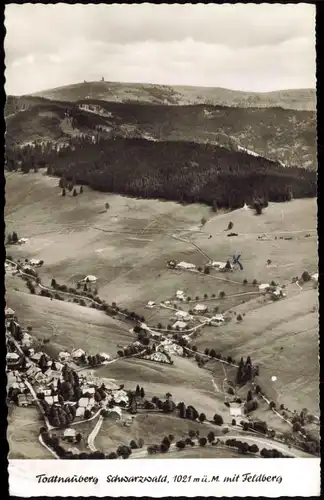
point(77, 355)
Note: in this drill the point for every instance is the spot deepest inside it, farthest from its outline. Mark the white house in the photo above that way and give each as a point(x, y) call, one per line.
point(183, 315)
point(77, 353)
point(150, 304)
point(315, 277)
point(35, 262)
point(200, 308)
point(36, 357)
point(185, 265)
point(21, 241)
point(235, 410)
point(26, 340)
point(218, 264)
point(89, 279)
point(226, 267)
point(80, 412)
point(179, 325)
point(9, 313)
point(64, 356)
point(105, 356)
point(88, 390)
point(83, 403)
point(217, 320)
point(180, 295)
point(12, 356)
point(264, 287)
point(51, 399)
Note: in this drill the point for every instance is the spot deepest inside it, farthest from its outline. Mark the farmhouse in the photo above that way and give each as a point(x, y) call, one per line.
point(200, 308)
point(185, 265)
point(77, 353)
point(277, 293)
point(235, 410)
point(35, 262)
point(150, 304)
point(64, 356)
point(25, 400)
point(180, 295)
point(179, 325)
point(80, 412)
point(120, 396)
point(88, 390)
point(83, 402)
point(115, 412)
point(183, 315)
point(217, 264)
point(217, 320)
point(9, 313)
point(171, 263)
point(226, 267)
point(315, 277)
point(26, 340)
point(21, 241)
point(104, 356)
point(51, 399)
point(32, 371)
point(12, 359)
point(89, 279)
point(69, 433)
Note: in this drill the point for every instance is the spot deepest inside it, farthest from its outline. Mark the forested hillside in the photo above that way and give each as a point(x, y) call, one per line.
point(174, 170)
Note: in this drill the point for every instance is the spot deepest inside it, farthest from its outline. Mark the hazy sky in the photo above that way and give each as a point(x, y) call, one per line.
point(246, 47)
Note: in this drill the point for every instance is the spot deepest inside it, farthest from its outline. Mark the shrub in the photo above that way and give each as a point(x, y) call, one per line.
point(202, 441)
point(218, 419)
point(181, 444)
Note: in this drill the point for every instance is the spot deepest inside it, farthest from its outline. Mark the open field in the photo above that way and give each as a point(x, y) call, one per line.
point(152, 428)
point(282, 337)
point(22, 434)
point(184, 380)
point(128, 270)
point(67, 325)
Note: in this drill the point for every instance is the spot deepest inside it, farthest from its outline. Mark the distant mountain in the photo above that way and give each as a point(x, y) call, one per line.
point(284, 135)
point(300, 99)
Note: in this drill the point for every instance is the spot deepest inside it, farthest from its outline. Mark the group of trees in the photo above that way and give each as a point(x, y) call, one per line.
point(241, 446)
point(244, 371)
point(64, 184)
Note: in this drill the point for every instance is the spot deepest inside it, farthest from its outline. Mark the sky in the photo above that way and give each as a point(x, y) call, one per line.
point(251, 47)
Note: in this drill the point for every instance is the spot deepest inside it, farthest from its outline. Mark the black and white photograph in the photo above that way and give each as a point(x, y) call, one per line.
point(161, 267)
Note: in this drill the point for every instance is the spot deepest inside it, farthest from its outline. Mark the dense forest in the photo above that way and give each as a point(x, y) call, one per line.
point(173, 170)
